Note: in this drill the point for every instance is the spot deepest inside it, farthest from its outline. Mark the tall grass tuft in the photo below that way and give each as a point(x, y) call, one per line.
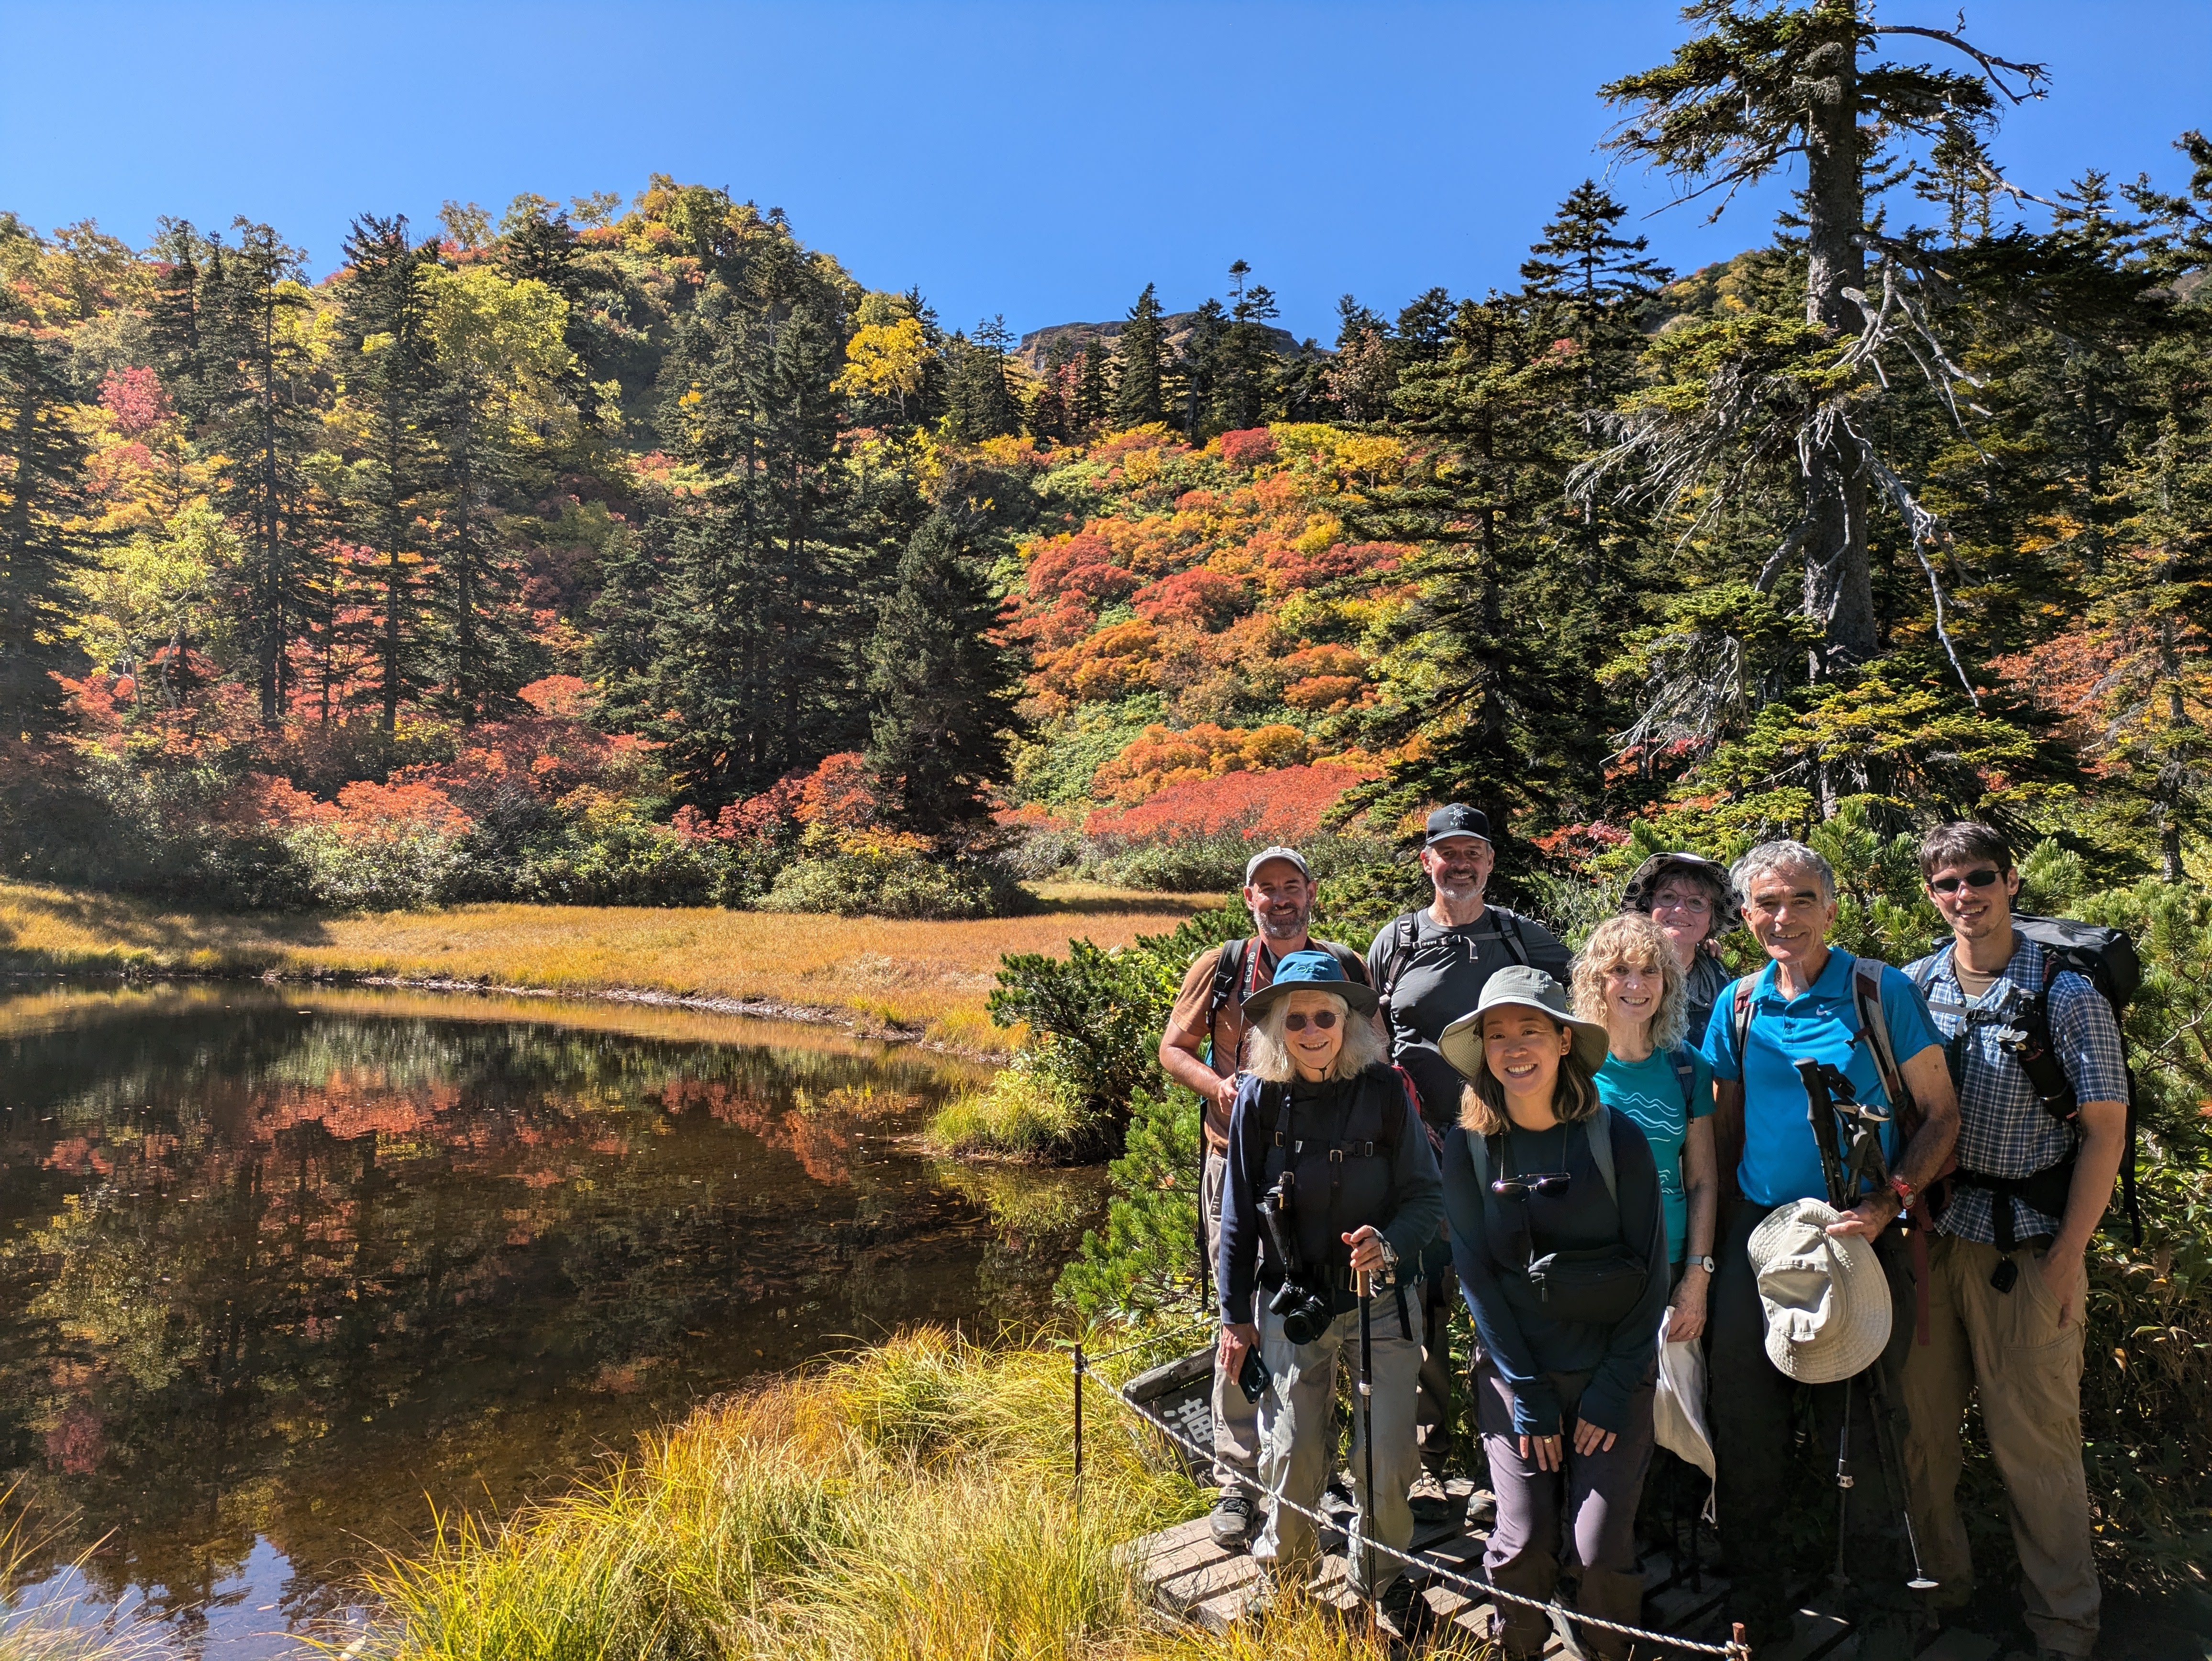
point(914, 1502)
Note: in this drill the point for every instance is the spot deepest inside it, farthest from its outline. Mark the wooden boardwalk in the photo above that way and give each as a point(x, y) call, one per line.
point(1191, 1579)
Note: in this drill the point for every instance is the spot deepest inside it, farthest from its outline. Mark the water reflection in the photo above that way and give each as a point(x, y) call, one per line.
point(277, 1272)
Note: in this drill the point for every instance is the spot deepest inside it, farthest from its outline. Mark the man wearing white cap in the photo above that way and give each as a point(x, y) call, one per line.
point(1790, 1304)
point(1204, 1046)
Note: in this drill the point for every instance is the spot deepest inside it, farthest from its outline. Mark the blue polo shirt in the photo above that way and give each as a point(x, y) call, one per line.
point(1781, 1161)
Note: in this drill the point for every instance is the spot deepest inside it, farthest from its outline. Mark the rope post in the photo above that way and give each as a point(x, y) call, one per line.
point(1736, 1641)
point(1079, 1426)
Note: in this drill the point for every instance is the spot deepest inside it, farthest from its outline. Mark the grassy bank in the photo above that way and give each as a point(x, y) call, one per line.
point(924, 978)
point(913, 1503)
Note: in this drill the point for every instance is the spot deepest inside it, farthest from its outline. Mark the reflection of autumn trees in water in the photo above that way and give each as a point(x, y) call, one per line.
point(276, 1272)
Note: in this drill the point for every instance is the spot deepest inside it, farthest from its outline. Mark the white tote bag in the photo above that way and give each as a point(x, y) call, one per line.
point(1678, 1407)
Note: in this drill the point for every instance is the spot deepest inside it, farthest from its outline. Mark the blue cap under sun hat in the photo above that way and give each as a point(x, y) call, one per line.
point(1457, 819)
point(1309, 971)
point(1528, 988)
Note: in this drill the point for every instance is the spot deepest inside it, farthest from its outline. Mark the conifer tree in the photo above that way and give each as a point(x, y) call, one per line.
point(264, 426)
point(1140, 365)
point(1094, 388)
point(1246, 354)
point(1757, 85)
point(42, 460)
point(979, 405)
point(1198, 371)
point(941, 691)
point(390, 377)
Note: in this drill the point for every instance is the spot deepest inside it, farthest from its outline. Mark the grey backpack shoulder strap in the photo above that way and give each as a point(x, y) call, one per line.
point(1598, 1127)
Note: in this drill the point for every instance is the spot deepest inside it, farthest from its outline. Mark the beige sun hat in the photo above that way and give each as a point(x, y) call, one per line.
point(1824, 1296)
point(1529, 988)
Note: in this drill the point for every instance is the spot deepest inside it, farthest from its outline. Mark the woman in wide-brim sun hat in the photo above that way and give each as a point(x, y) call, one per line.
point(1538, 1172)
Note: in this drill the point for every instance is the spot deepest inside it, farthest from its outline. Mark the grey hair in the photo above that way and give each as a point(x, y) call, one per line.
point(1781, 856)
point(1363, 1045)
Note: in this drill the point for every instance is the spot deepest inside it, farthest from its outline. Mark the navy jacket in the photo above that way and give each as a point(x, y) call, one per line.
point(1526, 1347)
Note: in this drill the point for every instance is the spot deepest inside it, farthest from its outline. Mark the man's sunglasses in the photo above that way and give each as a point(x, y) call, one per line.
point(1519, 1188)
point(1322, 1020)
point(1984, 878)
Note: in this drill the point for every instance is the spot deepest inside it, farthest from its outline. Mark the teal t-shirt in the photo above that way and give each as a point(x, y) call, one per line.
point(1650, 1091)
point(1781, 1161)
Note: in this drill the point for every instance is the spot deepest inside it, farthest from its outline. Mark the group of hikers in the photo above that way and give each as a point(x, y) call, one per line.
point(1832, 1178)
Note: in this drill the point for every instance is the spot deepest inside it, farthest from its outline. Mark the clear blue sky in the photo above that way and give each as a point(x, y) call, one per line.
point(1041, 160)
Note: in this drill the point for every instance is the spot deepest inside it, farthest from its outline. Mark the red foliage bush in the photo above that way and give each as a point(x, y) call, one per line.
point(134, 398)
point(1248, 446)
point(1281, 806)
point(1203, 599)
point(1082, 566)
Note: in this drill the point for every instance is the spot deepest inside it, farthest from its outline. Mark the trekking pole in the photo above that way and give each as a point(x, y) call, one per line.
point(1367, 1443)
point(1823, 1085)
point(1844, 1484)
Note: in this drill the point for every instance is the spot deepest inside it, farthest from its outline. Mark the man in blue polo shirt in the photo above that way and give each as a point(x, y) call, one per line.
point(1801, 1006)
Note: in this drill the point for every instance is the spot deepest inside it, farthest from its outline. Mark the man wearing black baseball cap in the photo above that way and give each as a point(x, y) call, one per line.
point(1430, 967)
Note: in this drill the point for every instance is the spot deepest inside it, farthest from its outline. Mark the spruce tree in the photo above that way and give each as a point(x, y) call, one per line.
point(264, 425)
point(941, 691)
point(42, 461)
point(979, 405)
point(1140, 365)
point(1199, 371)
point(389, 376)
point(1094, 387)
point(1247, 354)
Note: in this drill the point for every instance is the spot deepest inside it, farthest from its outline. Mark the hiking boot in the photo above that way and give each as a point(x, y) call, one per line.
point(1428, 1499)
point(1231, 1523)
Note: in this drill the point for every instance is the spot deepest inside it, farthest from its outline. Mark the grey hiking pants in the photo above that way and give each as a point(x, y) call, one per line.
point(1235, 1418)
point(1294, 1423)
point(1585, 1513)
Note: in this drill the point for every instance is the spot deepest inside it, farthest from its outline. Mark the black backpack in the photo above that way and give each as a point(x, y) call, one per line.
point(2106, 958)
point(1404, 934)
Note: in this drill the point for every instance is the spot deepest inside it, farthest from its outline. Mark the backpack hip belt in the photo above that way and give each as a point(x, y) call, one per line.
point(2046, 1190)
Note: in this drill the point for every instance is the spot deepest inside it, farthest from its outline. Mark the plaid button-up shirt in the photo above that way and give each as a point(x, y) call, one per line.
point(2003, 1129)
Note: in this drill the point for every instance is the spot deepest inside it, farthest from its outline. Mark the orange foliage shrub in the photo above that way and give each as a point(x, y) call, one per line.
point(1111, 664)
point(1319, 692)
point(1161, 757)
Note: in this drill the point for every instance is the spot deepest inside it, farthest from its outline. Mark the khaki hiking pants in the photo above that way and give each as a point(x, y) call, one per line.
point(2028, 1369)
point(1294, 1418)
point(1235, 1418)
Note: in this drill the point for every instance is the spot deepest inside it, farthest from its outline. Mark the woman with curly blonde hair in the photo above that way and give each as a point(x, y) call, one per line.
point(1628, 979)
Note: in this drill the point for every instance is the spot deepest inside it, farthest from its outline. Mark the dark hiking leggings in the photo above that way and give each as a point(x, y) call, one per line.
point(1751, 1408)
point(1585, 1514)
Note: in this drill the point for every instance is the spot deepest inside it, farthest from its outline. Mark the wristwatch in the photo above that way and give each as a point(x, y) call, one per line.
point(1904, 1192)
point(1705, 1262)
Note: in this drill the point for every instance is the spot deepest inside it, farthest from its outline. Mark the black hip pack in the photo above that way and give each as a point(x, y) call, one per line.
point(1598, 1285)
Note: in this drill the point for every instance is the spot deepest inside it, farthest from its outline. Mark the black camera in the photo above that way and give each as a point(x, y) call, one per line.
point(1306, 1313)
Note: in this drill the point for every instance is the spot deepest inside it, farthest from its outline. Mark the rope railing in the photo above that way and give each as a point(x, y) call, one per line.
point(1733, 1650)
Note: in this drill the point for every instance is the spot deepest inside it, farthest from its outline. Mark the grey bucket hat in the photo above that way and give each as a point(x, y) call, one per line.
point(1527, 987)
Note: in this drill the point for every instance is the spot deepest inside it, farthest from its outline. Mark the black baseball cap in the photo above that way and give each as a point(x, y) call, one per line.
point(1456, 819)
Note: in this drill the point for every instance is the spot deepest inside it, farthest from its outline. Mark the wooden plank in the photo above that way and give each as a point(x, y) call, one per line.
point(1952, 1644)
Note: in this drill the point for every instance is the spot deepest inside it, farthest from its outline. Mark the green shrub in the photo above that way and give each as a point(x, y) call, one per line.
point(882, 875)
point(415, 864)
point(1148, 1260)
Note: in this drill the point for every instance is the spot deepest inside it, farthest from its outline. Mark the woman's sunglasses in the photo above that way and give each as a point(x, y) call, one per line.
point(1984, 878)
point(1322, 1019)
point(1519, 1188)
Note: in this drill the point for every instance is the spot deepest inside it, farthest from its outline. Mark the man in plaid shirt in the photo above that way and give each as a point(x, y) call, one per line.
point(2007, 1280)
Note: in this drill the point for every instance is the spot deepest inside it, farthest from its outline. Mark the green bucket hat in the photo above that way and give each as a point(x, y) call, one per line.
point(1528, 988)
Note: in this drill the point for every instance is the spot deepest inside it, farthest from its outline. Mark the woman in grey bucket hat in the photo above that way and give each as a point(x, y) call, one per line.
point(1558, 1233)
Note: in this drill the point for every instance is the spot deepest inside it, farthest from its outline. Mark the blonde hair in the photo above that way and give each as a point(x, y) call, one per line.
point(1574, 1094)
point(1632, 940)
point(1271, 1054)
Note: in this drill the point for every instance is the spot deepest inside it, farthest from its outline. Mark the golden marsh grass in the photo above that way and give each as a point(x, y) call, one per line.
point(927, 979)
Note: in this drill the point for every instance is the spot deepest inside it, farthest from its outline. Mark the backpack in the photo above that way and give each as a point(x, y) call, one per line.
point(1598, 1127)
point(1404, 934)
point(1229, 970)
point(2106, 958)
point(1874, 1027)
point(1684, 1062)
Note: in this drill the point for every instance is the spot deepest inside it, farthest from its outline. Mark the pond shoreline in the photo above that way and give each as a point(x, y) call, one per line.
point(851, 1022)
